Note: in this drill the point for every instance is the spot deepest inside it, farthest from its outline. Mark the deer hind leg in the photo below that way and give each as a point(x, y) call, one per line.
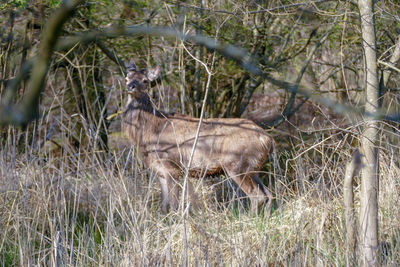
point(253, 188)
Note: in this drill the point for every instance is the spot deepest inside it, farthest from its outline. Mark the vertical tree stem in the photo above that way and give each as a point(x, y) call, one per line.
point(369, 138)
point(352, 169)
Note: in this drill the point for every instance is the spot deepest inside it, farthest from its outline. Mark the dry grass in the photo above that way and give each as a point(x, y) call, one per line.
point(88, 209)
point(62, 204)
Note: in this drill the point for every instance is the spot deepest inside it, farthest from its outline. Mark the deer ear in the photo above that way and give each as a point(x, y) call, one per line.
point(131, 66)
point(153, 74)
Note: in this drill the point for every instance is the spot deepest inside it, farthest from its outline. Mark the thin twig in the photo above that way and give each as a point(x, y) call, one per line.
point(209, 73)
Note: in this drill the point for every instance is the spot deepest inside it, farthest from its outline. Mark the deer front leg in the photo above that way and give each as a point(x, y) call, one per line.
point(169, 194)
point(266, 192)
point(169, 187)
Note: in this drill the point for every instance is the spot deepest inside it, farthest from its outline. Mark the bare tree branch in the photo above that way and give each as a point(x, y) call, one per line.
point(289, 110)
point(253, 11)
point(111, 55)
point(237, 54)
point(22, 113)
point(27, 109)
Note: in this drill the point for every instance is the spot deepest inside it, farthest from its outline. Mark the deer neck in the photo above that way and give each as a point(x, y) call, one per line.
point(140, 117)
point(141, 104)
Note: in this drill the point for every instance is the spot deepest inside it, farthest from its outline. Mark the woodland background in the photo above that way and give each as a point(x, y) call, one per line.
point(74, 192)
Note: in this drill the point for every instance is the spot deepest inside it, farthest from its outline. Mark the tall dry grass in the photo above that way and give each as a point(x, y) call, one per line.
point(86, 208)
point(68, 205)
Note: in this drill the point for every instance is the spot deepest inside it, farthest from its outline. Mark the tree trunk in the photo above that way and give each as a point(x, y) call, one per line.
point(369, 174)
point(352, 170)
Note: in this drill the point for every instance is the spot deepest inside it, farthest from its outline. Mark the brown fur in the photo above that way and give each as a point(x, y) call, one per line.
point(237, 147)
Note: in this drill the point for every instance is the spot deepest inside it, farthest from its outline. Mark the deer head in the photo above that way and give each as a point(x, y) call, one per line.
point(137, 80)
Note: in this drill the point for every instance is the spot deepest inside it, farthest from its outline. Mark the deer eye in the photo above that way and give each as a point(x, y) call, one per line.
point(145, 81)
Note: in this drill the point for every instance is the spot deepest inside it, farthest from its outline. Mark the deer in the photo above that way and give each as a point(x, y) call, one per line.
point(236, 147)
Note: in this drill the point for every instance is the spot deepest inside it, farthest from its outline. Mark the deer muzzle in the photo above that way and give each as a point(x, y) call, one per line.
point(132, 88)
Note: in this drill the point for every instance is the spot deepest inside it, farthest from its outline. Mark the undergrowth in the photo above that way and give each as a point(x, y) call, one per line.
point(88, 208)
